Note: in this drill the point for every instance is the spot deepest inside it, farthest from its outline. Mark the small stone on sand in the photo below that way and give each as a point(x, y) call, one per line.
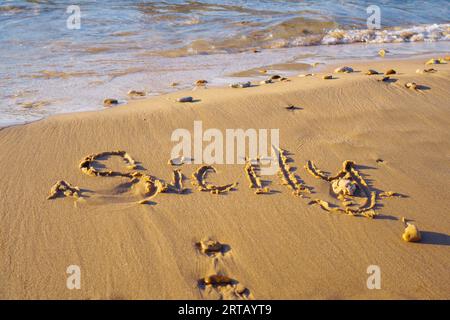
point(343, 187)
point(433, 61)
point(343, 70)
point(429, 70)
point(200, 83)
point(371, 72)
point(185, 99)
point(411, 233)
point(135, 93)
point(327, 77)
point(110, 102)
point(240, 289)
point(382, 52)
point(391, 71)
point(275, 77)
point(241, 85)
point(411, 85)
point(209, 246)
point(217, 280)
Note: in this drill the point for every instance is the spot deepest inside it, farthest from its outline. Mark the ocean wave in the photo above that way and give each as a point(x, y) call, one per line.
point(282, 37)
point(433, 32)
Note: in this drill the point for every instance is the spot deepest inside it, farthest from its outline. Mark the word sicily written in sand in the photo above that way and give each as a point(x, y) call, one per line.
point(356, 196)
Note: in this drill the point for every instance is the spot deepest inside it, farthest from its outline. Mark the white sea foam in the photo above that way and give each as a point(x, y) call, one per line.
point(433, 32)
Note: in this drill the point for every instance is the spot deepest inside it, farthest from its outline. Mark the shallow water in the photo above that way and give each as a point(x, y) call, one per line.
point(47, 68)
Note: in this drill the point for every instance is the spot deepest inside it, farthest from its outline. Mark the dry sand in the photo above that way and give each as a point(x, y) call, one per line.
point(278, 246)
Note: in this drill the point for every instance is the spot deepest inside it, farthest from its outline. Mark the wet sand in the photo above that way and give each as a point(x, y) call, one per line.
point(280, 244)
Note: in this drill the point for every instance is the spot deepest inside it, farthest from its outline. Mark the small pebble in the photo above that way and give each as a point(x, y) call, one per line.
point(411, 85)
point(201, 82)
point(430, 70)
point(266, 81)
point(382, 52)
point(136, 93)
point(241, 85)
point(110, 102)
point(372, 72)
point(185, 99)
point(433, 61)
point(216, 279)
point(240, 289)
point(385, 79)
point(391, 71)
point(275, 77)
point(411, 233)
point(343, 70)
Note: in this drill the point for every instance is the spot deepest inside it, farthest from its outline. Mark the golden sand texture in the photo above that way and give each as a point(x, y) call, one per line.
point(280, 247)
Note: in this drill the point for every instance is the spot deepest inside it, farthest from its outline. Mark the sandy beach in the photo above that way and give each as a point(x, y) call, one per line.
point(276, 245)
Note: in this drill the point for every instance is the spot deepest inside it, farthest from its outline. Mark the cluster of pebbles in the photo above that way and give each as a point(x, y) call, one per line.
point(344, 69)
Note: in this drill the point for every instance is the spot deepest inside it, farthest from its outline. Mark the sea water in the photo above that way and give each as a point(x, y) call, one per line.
point(54, 60)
